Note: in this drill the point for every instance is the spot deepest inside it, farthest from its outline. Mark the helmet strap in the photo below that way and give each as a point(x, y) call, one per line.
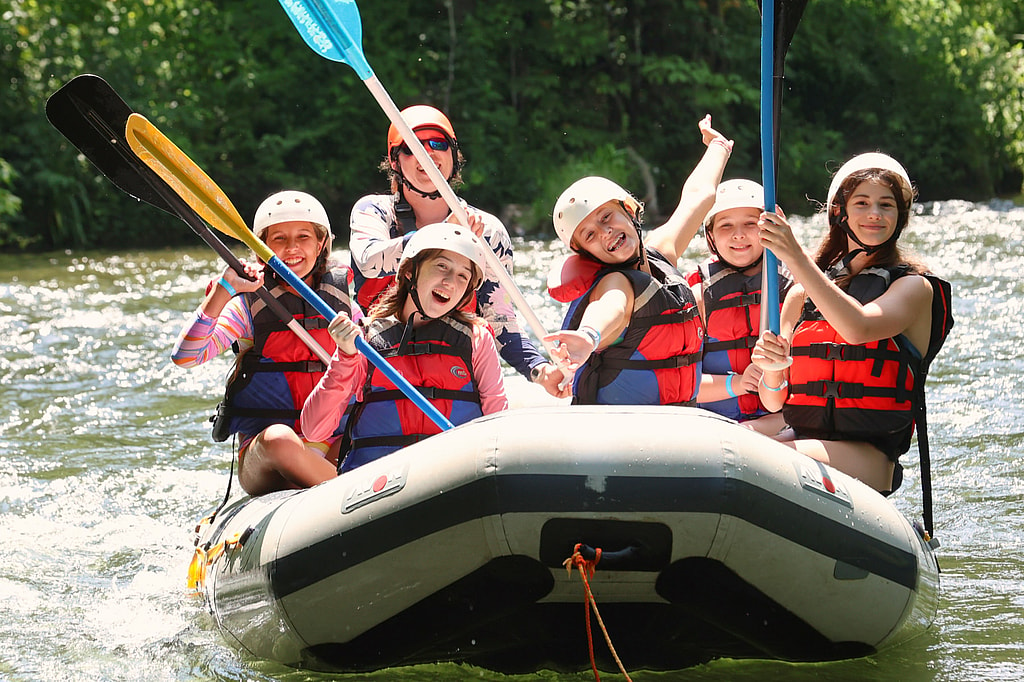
point(742, 270)
point(414, 292)
point(404, 214)
point(436, 194)
point(844, 222)
point(402, 182)
point(640, 260)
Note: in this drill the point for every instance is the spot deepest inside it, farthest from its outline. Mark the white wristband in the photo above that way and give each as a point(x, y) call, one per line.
point(594, 335)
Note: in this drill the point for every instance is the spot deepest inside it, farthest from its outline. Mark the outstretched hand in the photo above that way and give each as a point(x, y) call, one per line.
point(570, 347)
point(344, 332)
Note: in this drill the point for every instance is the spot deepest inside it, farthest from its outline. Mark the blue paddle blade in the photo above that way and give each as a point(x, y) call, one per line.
point(332, 29)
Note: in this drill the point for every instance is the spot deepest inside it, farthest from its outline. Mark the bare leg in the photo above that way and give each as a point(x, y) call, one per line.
point(769, 424)
point(854, 458)
point(277, 459)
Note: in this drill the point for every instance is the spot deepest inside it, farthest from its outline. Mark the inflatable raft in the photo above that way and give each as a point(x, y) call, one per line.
point(715, 542)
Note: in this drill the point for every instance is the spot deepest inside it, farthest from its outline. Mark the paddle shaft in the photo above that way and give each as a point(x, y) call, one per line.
point(92, 116)
point(770, 266)
point(333, 30)
point(193, 185)
point(456, 206)
point(361, 345)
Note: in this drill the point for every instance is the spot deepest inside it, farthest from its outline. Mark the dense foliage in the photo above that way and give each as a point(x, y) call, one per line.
point(540, 92)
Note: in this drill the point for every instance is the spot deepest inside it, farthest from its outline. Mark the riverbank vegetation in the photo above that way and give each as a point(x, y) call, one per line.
point(539, 91)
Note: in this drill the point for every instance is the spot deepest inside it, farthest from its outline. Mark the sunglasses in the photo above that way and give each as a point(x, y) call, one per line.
point(434, 145)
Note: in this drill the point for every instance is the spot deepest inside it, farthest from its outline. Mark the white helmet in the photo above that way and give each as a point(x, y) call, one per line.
point(735, 194)
point(582, 198)
point(289, 205)
point(867, 161)
point(449, 237)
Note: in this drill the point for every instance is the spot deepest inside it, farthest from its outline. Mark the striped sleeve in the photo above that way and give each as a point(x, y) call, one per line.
point(204, 338)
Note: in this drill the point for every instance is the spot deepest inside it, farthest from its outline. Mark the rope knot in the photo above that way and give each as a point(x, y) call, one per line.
point(587, 567)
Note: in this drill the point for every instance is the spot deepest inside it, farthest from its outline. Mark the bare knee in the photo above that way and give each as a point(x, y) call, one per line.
point(277, 436)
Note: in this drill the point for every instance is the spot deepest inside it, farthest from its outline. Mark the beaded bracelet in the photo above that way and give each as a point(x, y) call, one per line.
point(227, 287)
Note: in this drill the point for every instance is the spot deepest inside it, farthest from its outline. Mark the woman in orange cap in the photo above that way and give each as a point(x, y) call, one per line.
point(381, 225)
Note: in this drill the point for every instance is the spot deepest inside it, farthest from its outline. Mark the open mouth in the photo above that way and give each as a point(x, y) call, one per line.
point(617, 244)
point(440, 296)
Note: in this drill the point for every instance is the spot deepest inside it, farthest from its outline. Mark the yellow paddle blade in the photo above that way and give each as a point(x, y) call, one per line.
point(189, 182)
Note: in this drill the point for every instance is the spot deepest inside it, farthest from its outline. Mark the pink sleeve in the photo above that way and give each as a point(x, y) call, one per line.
point(487, 369)
point(205, 338)
point(325, 405)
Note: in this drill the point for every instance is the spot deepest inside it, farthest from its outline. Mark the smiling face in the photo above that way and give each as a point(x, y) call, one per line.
point(442, 282)
point(407, 165)
point(297, 243)
point(608, 234)
point(872, 213)
point(736, 238)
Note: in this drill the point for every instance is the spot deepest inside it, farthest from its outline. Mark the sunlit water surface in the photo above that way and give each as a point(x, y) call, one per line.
point(106, 464)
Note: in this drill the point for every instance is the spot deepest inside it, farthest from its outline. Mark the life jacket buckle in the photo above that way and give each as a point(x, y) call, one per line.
point(842, 389)
point(830, 389)
point(834, 351)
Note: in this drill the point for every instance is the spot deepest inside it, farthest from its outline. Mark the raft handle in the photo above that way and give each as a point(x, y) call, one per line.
point(611, 560)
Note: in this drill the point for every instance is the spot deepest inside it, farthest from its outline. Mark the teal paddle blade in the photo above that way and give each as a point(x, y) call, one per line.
point(332, 29)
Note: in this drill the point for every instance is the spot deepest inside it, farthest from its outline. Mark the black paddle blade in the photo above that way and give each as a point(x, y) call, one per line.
point(92, 116)
point(787, 16)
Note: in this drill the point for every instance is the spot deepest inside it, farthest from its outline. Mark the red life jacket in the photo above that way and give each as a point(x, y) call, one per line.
point(271, 380)
point(732, 321)
point(871, 392)
point(436, 358)
point(657, 360)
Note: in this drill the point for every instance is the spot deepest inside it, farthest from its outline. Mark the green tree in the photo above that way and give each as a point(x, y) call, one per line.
point(540, 93)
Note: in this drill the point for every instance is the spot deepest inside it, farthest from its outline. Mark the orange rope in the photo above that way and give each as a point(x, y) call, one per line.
point(587, 568)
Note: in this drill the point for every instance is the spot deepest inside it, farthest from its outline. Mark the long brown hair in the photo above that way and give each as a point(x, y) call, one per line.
point(393, 299)
point(835, 246)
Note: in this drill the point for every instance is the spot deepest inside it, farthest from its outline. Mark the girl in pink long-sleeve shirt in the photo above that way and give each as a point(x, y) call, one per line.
point(421, 328)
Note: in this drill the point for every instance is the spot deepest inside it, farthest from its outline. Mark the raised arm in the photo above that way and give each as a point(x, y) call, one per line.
point(696, 198)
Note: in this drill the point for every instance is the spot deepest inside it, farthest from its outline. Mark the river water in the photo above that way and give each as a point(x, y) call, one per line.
point(106, 465)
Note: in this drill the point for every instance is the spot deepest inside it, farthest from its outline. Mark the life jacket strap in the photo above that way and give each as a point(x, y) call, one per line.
point(741, 301)
point(599, 360)
point(744, 343)
point(428, 392)
point(847, 390)
point(387, 441)
point(304, 366)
